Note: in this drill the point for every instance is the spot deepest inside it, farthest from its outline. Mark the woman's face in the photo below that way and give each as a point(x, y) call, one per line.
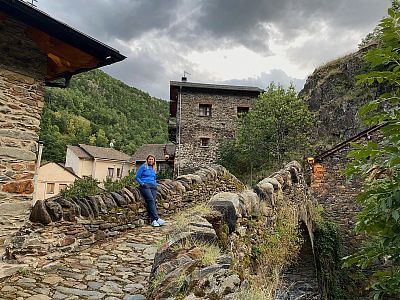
point(150, 160)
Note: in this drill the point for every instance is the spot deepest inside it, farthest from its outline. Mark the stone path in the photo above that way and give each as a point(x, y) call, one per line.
point(115, 269)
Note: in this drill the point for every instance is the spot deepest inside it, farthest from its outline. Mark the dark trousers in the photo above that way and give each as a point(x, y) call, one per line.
point(149, 194)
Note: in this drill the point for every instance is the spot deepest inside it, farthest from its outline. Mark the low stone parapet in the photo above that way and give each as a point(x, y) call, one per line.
point(58, 225)
point(200, 263)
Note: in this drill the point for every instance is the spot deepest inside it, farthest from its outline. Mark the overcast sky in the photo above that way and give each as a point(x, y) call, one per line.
point(244, 42)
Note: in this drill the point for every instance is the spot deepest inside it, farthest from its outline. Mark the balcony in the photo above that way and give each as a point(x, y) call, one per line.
point(172, 129)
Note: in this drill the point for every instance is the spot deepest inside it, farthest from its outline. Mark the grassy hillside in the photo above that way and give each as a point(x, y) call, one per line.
point(96, 109)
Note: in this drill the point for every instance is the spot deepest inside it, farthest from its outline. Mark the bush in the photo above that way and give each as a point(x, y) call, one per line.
point(113, 186)
point(82, 187)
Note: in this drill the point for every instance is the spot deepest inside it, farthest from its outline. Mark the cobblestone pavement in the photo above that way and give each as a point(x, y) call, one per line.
point(115, 269)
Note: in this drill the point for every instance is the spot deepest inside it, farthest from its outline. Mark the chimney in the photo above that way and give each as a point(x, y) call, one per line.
point(184, 78)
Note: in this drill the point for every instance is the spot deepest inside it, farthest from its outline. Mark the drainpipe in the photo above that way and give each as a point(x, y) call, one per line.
point(179, 130)
point(35, 180)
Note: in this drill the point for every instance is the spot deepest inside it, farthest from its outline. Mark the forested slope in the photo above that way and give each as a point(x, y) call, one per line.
point(96, 109)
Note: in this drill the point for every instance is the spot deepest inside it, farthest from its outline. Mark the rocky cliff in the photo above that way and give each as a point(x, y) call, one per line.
point(332, 94)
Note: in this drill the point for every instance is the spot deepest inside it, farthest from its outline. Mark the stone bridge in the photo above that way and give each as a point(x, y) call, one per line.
point(71, 240)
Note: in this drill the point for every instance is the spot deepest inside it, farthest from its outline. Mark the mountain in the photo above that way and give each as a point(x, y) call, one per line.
point(332, 94)
point(97, 109)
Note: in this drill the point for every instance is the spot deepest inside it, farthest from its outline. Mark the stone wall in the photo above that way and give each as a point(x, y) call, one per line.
point(22, 71)
point(337, 196)
point(60, 226)
point(220, 125)
point(237, 223)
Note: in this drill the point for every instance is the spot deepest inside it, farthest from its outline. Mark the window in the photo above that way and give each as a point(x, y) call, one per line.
point(204, 142)
point(205, 110)
point(119, 172)
point(110, 172)
point(241, 110)
point(62, 186)
point(50, 188)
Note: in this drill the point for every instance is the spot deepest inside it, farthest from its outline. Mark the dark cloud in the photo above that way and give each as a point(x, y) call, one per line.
point(166, 31)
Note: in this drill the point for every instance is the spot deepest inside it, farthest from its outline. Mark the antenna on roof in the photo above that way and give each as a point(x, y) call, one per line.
point(184, 78)
point(32, 2)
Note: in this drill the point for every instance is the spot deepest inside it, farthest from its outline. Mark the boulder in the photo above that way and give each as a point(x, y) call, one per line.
point(86, 211)
point(39, 213)
point(100, 204)
point(251, 202)
point(231, 197)
point(93, 205)
point(55, 210)
point(228, 213)
point(78, 211)
point(69, 210)
point(108, 201)
point(119, 199)
point(128, 195)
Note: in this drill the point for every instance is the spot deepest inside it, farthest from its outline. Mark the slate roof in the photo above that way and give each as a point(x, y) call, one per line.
point(156, 149)
point(90, 152)
point(79, 152)
point(215, 86)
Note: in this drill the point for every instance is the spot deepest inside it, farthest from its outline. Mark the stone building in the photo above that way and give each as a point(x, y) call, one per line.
point(201, 115)
point(35, 50)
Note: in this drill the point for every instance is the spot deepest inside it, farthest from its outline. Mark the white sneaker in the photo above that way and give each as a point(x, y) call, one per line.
point(155, 224)
point(161, 222)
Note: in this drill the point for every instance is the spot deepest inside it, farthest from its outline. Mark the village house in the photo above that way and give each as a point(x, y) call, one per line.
point(99, 162)
point(36, 50)
point(52, 179)
point(201, 115)
point(163, 153)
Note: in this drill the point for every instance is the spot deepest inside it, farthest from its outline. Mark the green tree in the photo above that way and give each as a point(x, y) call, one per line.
point(96, 108)
point(379, 163)
point(273, 131)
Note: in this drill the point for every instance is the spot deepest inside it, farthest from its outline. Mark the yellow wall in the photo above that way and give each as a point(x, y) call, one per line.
point(101, 169)
point(97, 168)
point(54, 174)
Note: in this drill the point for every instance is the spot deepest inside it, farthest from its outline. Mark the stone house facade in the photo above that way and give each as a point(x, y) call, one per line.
point(36, 49)
point(201, 116)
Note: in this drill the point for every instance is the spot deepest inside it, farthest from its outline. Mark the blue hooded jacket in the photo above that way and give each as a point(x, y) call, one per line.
point(146, 175)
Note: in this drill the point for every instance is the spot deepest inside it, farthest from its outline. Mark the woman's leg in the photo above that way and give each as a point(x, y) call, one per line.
point(150, 201)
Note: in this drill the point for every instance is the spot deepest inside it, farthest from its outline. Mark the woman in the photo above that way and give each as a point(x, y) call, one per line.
point(146, 177)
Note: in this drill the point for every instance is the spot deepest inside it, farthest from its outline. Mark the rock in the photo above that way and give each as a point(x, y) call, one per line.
point(231, 197)
point(92, 201)
point(69, 213)
point(119, 199)
point(134, 297)
point(109, 201)
point(230, 284)
point(100, 204)
point(39, 297)
point(85, 210)
point(251, 202)
point(179, 187)
point(55, 210)
point(52, 280)
point(128, 195)
point(76, 206)
point(39, 213)
point(228, 213)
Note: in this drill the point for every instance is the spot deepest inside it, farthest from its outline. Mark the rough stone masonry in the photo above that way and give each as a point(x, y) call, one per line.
point(22, 72)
